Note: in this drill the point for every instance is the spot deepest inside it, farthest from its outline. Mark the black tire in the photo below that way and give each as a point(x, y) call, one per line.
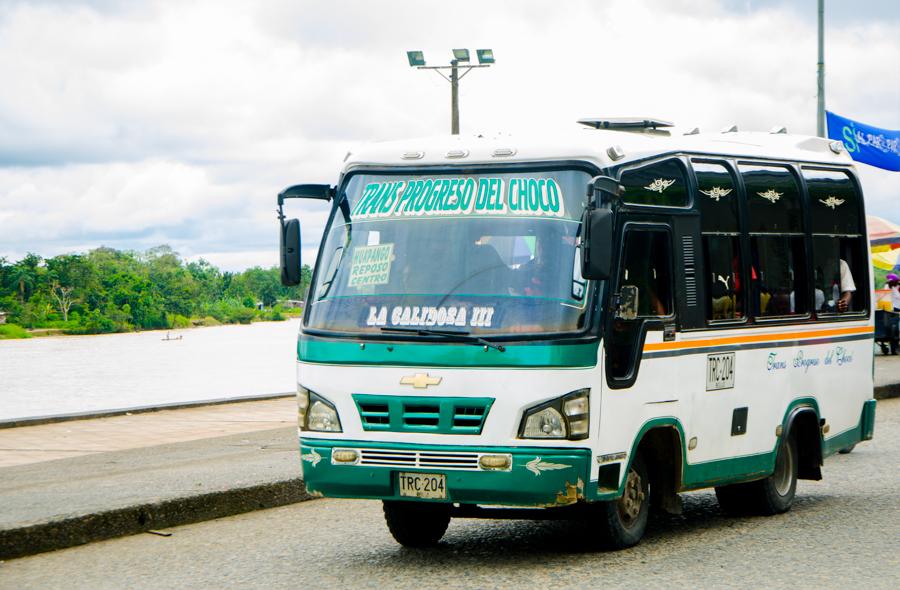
point(621, 523)
point(416, 524)
point(847, 450)
point(772, 495)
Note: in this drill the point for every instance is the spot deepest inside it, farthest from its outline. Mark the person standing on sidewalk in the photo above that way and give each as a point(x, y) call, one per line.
point(893, 284)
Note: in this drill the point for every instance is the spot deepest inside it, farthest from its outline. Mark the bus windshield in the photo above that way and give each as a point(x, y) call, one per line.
point(487, 253)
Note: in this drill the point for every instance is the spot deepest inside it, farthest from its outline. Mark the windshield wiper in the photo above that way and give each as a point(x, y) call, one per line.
point(447, 334)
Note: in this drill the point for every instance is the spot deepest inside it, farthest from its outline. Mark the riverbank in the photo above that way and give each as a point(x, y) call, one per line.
point(13, 332)
point(16, 332)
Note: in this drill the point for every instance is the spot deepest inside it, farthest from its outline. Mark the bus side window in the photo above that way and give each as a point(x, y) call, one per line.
point(717, 201)
point(659, 184)
point(646, 265)
point(839, 266)
point(778, 265)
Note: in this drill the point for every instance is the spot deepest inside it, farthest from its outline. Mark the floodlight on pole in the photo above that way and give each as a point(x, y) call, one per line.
point(485, 60)
point(485, 56)
point(416, 58)
point(461, 55)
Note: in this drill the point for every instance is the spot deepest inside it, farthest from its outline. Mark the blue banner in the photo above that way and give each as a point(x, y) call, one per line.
point(866, 144)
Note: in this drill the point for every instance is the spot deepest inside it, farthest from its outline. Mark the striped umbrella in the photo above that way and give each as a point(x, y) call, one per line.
point(884, 239)
point(889, 260)
point(884, 235)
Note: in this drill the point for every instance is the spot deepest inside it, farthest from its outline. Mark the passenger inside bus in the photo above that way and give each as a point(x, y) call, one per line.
point(646, 266)
point(847, 288)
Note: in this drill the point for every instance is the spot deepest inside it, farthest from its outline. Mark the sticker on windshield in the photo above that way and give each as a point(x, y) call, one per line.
point(532, 197)
point(371, 265)
point(425, 316)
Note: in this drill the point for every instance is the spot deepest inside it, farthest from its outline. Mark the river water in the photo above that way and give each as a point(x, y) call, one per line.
point(68, 374)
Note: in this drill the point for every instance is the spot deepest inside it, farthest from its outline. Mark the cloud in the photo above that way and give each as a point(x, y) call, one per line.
point(133, 124)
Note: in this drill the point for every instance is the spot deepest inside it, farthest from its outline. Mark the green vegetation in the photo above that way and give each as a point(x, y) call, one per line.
point(108, 290)
point(881, 277)
point(11, 331)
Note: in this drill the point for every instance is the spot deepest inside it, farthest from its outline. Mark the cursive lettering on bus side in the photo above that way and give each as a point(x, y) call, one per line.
point(773, 364)
point(805, 363)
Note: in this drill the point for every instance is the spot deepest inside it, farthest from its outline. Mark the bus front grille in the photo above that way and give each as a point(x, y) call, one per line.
point(423, 459)
point(442, 415)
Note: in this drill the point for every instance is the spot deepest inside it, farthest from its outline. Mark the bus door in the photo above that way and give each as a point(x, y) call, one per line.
point(642, 299)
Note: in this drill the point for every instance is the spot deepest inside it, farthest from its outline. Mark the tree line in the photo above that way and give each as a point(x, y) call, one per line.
point(108, 290)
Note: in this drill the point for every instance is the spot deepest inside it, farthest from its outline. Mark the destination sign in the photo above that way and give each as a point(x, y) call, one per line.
point(533, 197)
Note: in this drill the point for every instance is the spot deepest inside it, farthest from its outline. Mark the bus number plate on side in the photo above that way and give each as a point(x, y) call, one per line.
point(719, 371)
point(423, 485)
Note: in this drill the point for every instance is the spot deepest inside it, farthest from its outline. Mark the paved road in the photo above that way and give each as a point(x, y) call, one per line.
point(843, 531)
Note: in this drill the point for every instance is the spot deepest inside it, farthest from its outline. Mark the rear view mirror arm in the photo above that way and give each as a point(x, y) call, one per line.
point(603, 185)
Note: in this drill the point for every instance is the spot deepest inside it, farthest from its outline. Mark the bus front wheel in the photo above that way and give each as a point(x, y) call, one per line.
point(622, 522)
point(416, 524)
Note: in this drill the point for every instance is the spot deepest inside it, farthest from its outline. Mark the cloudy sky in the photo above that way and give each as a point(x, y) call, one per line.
point(136, 123)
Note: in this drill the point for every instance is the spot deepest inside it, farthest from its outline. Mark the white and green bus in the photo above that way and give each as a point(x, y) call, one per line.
point(586, 324)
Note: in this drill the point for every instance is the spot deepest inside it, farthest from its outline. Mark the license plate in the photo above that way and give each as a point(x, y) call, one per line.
point(423, 485)
point(719, 371)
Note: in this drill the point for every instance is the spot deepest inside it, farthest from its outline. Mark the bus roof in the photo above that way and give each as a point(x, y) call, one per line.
point(598, 146)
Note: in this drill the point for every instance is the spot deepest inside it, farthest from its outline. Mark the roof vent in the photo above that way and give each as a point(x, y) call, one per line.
point(456, 154)
point(730, 129)
point(778, 130)
point(836, 146)
point(615, 153)
point(413, 155)
point(693, 131)
point(503, 152)
point(626, 123)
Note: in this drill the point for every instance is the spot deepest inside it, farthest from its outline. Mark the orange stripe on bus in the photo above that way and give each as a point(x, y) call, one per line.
point(756, 338)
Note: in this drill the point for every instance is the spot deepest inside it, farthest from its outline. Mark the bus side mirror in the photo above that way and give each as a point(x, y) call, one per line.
point(596, 255)
point(290, 253)
point(290, 229)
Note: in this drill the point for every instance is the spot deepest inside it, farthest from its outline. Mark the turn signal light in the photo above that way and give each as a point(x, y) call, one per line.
point(344, 456)
point(495, 462)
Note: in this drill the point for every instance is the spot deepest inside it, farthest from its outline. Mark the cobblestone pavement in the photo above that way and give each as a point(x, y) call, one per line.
point(843, 531)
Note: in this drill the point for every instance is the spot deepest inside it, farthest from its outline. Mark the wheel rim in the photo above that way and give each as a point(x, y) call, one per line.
point(784, 470)
point(630, 504)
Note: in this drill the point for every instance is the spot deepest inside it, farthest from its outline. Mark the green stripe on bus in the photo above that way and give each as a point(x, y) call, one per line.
point(445, 354)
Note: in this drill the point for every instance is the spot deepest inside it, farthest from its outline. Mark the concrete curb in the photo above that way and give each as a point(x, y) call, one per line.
point(87, 528)
point(36, 420)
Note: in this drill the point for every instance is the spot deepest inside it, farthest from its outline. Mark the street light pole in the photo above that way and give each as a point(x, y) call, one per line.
point(485, 60)
point(454, 97)
point(820, 74)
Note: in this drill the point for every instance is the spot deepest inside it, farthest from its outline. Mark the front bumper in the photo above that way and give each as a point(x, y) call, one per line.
point(537, 476)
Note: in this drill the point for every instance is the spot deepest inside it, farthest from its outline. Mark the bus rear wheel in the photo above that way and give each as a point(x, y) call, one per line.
point(416, 524)
point(622, 522)
point(772, 495)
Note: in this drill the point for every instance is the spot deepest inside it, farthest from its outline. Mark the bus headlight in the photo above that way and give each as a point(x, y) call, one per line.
point(544, 423)
point(315, 413)
point(565, 417)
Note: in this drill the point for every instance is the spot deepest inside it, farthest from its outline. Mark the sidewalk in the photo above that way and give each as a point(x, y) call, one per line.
point(46, 442)
point(79, 481)
point(75, 482)
point(887, 376)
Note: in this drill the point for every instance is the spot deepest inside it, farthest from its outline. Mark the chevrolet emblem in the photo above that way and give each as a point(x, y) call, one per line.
point(420, 380)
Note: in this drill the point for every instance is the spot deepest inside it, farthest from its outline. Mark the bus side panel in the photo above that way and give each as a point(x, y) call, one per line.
point(734, 429)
